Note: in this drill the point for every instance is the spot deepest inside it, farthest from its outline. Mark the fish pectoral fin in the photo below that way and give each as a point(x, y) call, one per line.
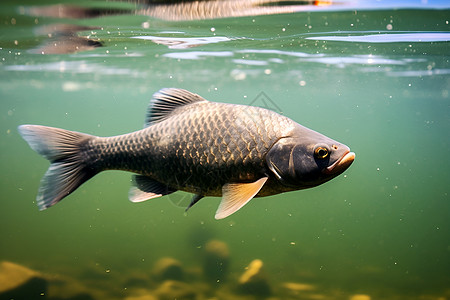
point(145, 188)
point(236, 195)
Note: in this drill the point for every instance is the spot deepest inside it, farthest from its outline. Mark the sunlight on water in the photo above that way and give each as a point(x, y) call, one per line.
point(413, 37)
point(182, 43)
point(198, 54)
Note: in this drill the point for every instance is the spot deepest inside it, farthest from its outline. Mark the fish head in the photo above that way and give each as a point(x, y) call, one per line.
point(307, 159)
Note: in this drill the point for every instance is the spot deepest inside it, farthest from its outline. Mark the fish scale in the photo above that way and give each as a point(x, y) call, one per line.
point(233, 150)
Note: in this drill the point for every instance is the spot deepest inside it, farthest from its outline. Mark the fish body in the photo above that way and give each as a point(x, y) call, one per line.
point(194, 145)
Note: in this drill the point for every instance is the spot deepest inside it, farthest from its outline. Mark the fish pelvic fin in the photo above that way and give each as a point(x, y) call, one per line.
point(68, 168)
point(165, 101)
point(195, 199)
point(236, 195)
point(145, 188)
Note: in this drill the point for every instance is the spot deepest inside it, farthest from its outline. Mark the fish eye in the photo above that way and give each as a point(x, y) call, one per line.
point(321, 152)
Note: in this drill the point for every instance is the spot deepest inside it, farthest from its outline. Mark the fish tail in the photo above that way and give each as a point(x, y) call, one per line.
point(69, 166)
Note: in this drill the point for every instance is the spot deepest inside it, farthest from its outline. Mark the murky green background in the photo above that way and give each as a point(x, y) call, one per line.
point(380, 229)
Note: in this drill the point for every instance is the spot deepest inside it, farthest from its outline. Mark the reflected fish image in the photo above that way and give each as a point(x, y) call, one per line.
point(232, 151)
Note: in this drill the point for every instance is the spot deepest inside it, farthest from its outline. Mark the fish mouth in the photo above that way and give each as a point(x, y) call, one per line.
point(341, 164)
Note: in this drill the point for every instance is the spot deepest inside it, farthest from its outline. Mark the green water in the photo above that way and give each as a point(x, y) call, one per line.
point(377, 80)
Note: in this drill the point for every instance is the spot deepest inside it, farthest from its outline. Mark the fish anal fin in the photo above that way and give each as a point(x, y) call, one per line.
point(145, 188)
point(165, 101)
point(236, 195)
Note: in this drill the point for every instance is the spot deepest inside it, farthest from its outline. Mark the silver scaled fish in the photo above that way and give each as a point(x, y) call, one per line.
point(206, 148)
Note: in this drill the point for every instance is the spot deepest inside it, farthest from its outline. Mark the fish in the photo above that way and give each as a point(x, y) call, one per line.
point(188, 143)
point(180, 10)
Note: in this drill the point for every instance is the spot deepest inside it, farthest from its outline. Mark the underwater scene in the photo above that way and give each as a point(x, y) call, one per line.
point(373, 75)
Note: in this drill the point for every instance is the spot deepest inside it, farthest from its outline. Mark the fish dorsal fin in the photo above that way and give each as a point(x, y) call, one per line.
point(145, 188)
point(165, 101)
point(236, 195)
